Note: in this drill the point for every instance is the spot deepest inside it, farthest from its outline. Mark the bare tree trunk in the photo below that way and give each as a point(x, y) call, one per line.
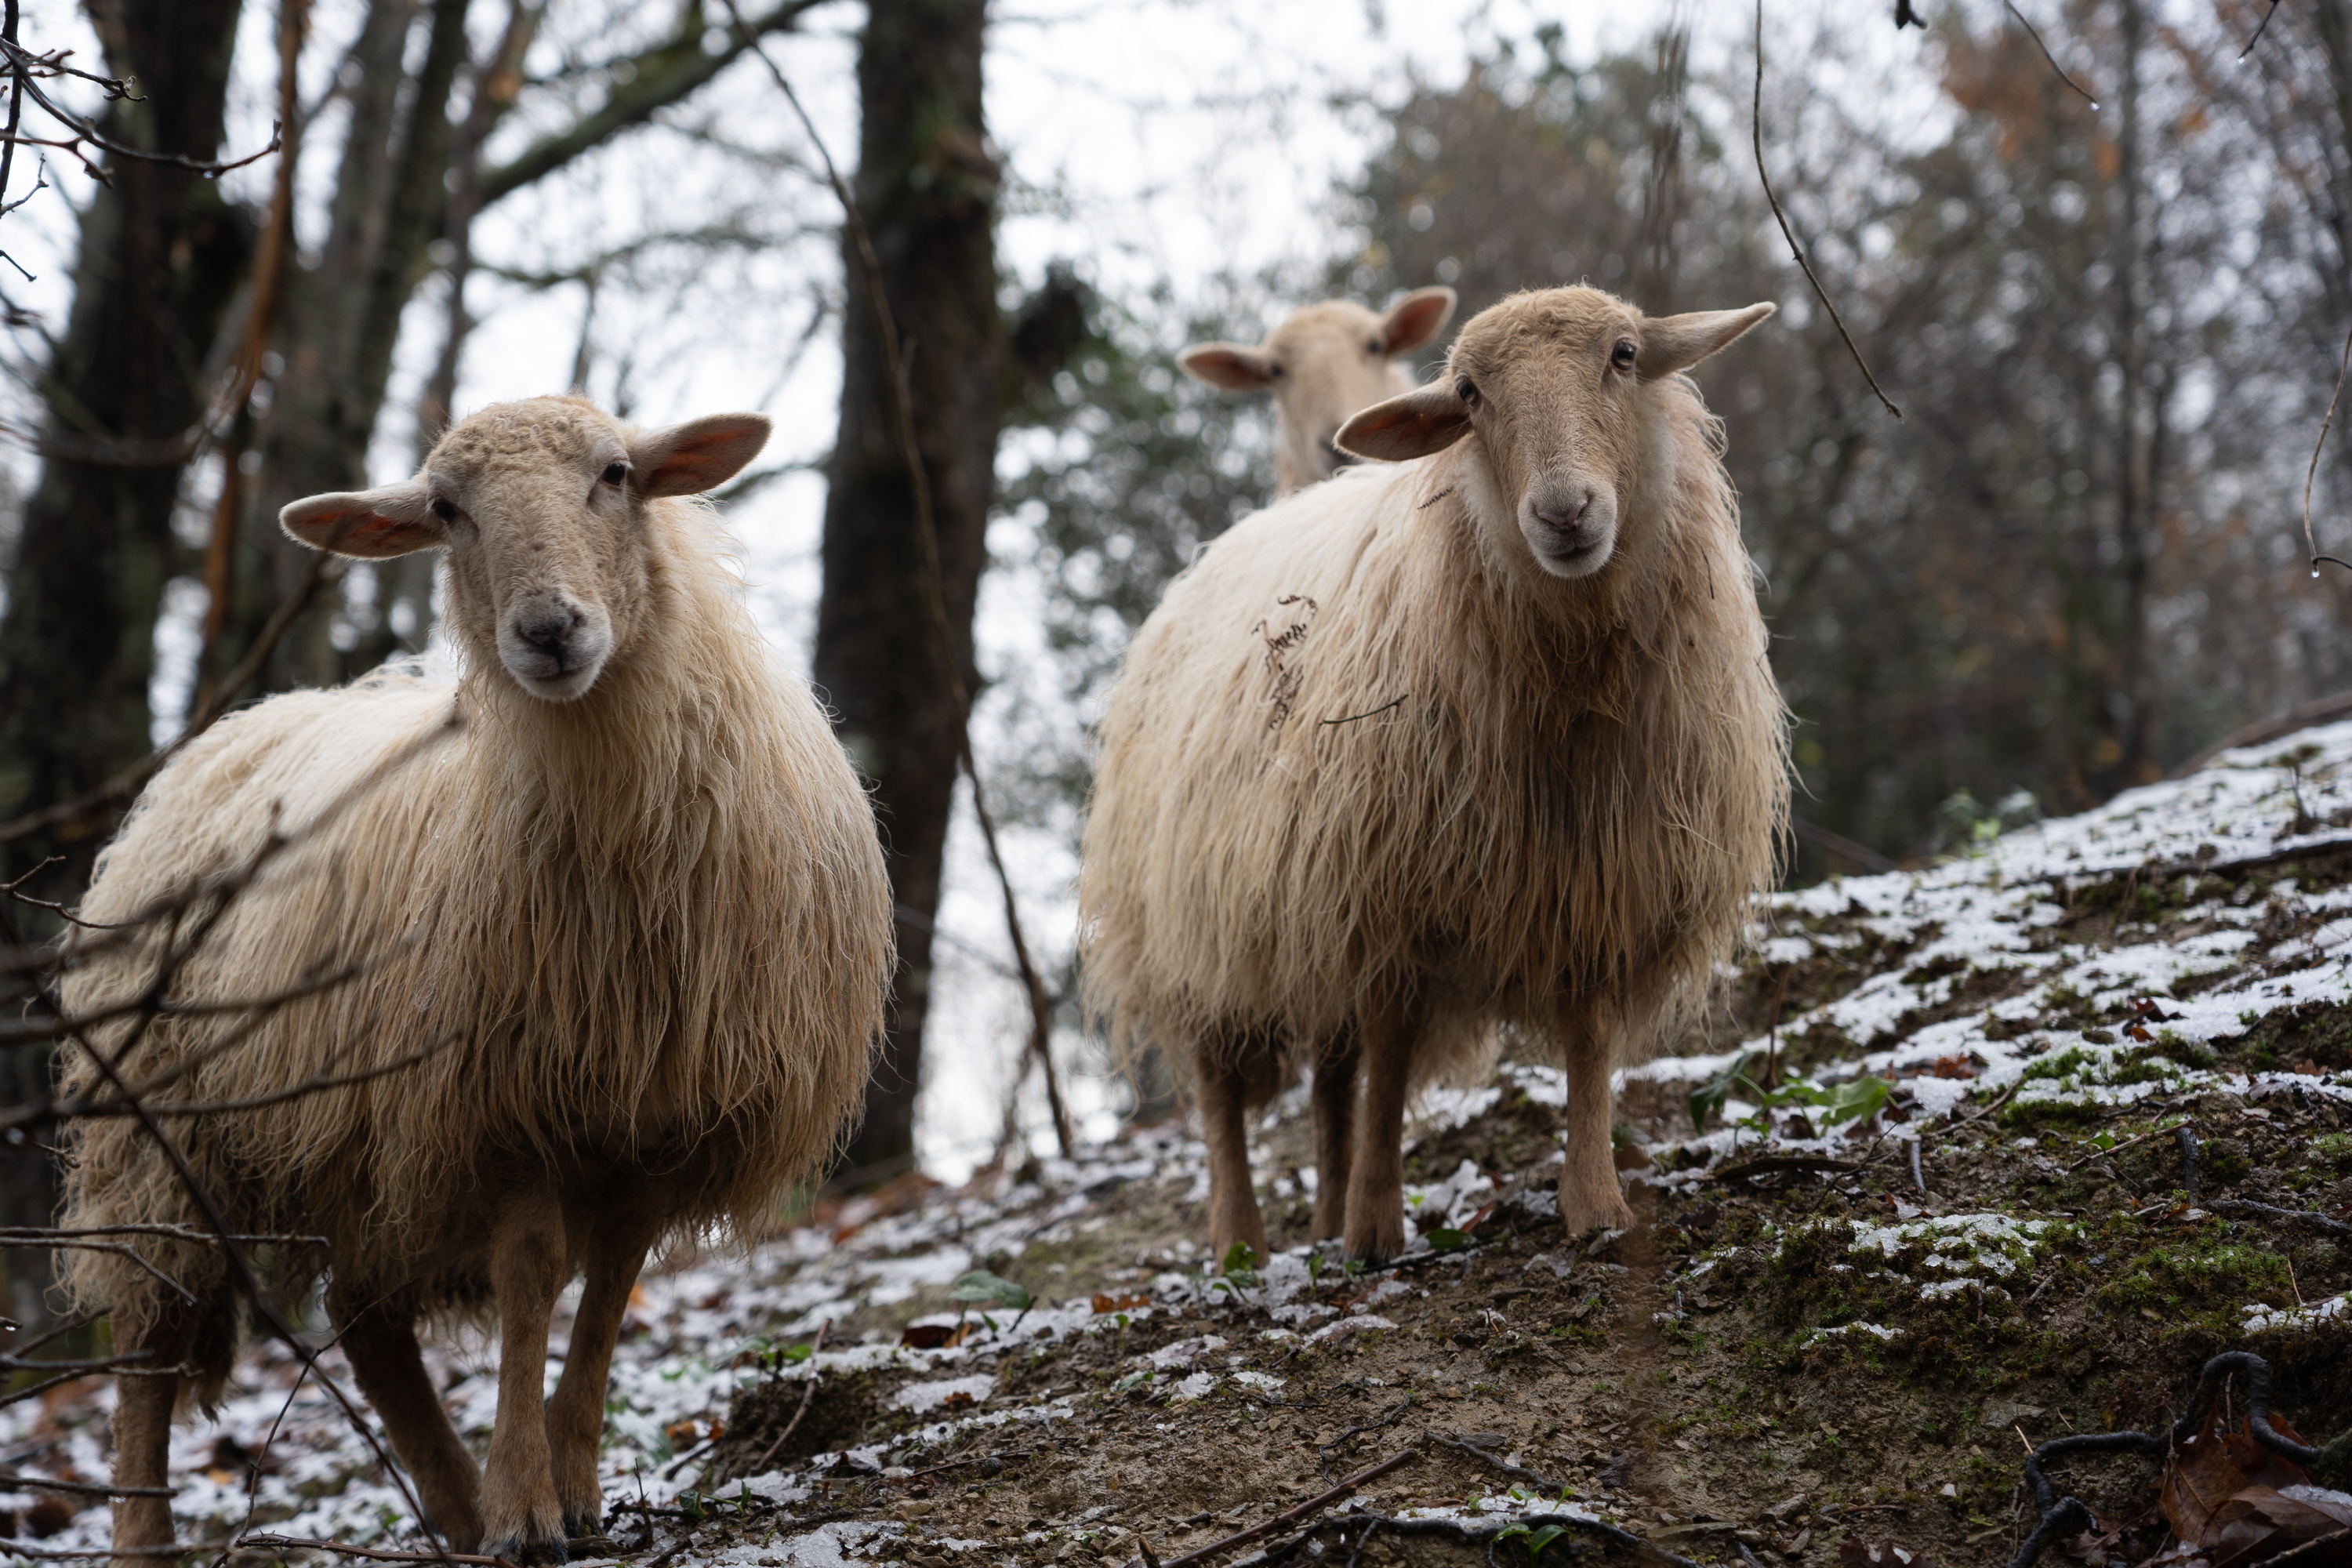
point(926, 183)
point(2129, 700)
point(161, 257)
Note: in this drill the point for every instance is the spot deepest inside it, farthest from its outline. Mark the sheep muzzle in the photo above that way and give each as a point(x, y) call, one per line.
point(1569, 525)
point(555, 645)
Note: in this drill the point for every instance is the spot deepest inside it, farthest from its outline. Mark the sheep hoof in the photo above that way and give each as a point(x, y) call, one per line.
point(1582, 1219)
point(530, 1553)
point(583, 1520)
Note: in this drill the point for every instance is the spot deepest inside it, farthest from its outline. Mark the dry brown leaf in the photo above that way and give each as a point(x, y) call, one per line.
point(1103, 1303)
point(2239, 1504)
point(933, 1336)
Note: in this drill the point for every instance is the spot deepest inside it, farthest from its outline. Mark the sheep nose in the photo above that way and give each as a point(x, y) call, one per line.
point(1565, 517)
point(549, 629)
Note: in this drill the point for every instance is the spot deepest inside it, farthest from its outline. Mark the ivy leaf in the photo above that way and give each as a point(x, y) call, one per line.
point(1706, 1100)
point(1855, 1100)
point(1444, 1240)
point(994, 1289)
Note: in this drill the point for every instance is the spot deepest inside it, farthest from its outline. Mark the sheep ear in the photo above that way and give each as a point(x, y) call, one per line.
point(1416, 318)
point(1427, 419)
point(698, 456)
point(1670, 343)
point(367, 525)
point(1236, 367)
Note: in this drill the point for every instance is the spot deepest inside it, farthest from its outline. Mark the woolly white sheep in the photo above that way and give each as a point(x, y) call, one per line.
point(1486, 739)
point(1324, 362)
point(631, 911)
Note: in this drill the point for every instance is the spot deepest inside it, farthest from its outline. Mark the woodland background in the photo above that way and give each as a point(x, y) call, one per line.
point(2113, 328)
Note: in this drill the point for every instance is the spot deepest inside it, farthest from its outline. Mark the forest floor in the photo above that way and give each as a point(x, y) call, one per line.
point(2005, 1149)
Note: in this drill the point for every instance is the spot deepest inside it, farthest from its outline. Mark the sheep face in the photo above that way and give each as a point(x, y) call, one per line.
point(1323, 363)
point(541, 506)
point(1554, 384)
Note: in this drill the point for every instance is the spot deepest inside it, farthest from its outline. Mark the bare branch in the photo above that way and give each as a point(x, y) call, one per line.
point(375, 1554)
point(22, 65)
point(2035, 34)
point(119, 789)
point(83, 1489)
point(926, 563)
point(2311, 473)
point(1757, 130)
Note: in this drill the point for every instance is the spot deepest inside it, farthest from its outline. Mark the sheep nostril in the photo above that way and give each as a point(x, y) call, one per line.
point(548, 632)
point(1567, 517)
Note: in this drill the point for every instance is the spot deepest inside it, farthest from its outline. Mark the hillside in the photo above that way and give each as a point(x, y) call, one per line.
point(2004, 1150)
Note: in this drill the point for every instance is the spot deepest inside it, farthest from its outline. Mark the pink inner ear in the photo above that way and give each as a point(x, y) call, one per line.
point(696, 460)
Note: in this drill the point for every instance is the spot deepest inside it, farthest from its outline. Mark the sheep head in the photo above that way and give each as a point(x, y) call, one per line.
point(1553, 383)
point(541, 505)
point(1323, 363)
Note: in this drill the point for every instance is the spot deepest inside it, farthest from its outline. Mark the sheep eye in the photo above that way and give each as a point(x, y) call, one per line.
point(1623, 355)
point(1373, 347)
point(445, 511)
point(1467, 391)
point(615, 472)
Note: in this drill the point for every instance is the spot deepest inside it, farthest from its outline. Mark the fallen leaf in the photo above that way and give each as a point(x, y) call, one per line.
point(1103, 1303)
point(933, 1336)
point(2239, 1503)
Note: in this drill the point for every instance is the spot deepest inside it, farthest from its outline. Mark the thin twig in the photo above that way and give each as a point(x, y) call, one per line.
point(127, 783)
point(1312, 1505)
point(2119, 1148)
point(1756, 126)
point(2259, 31)
point(927, 561)
point(345, 1548)
point(16, 1483)
point(2311, 473)
point(2035, 34)
point(10, 1234)
point(806, 1394)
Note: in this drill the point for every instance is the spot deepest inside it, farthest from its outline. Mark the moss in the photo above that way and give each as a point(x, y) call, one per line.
point(2188, 1278)
point(2334, 1149)
point(2065, 1064)
point(2319, 1033)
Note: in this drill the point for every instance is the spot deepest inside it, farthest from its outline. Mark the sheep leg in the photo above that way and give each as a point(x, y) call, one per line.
point(1333, 1106)
point(522, 1519)
point(1590, 1197)
point(575, 1416)
point(1233, 1206)
point(142, 1438)
point(381, 1343)
point(1375, 1224)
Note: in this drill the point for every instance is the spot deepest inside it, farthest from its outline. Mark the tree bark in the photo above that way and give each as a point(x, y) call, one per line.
point(926, 185)
point(161, 253)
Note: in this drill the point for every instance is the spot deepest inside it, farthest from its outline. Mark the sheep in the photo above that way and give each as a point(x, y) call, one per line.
point(1485, 741)
point(631, 913)
point(1324, 362)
